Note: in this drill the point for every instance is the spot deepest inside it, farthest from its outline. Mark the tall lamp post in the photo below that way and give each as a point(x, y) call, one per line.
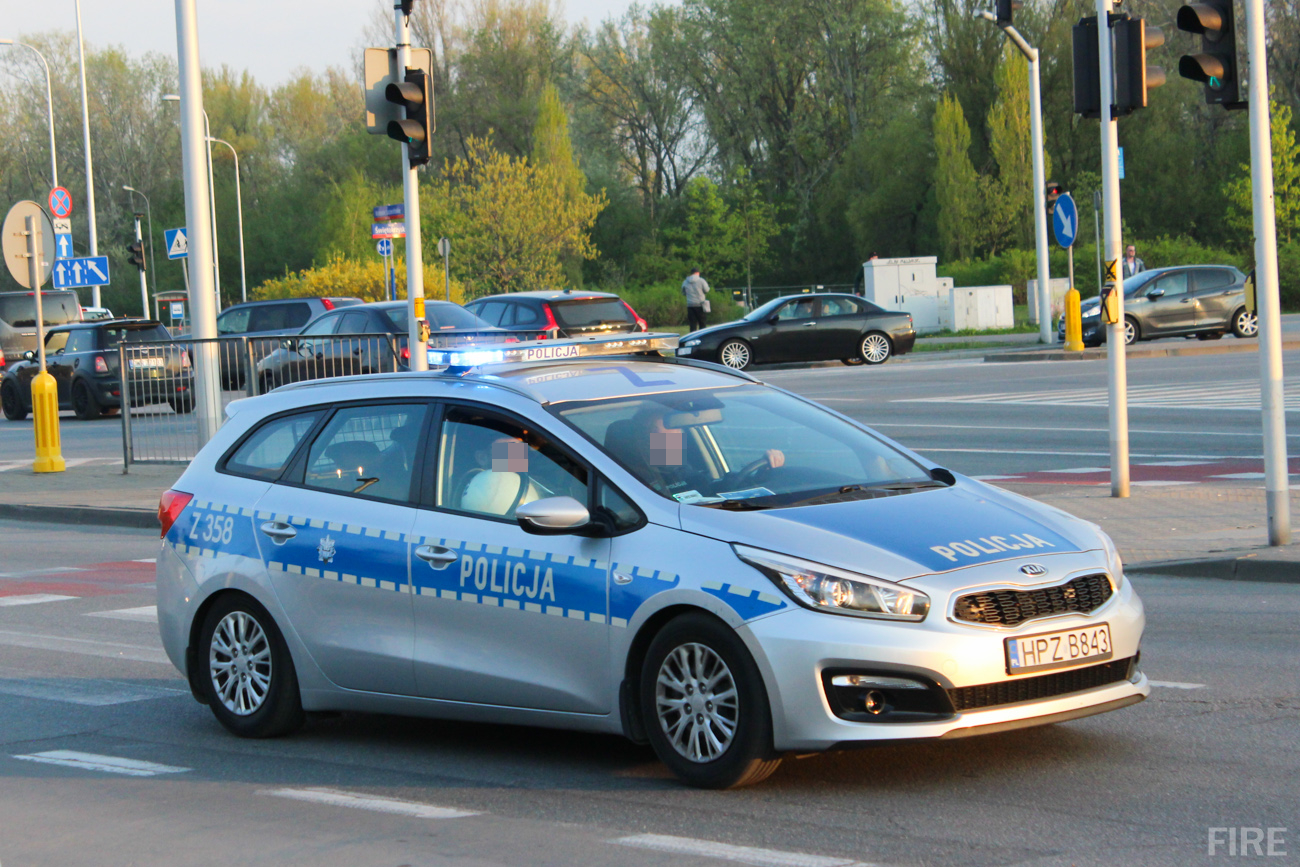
point(153, 277)
point(49, 106)
point(239, 207)
point(90, 170)
point(212, 200)
point(1045, 332)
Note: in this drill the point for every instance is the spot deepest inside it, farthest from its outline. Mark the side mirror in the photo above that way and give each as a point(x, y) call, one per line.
point(29, 355)
point(1156, 293)
point(774, 318)
point(944, 475)
point(289, 343)
point(552, 516)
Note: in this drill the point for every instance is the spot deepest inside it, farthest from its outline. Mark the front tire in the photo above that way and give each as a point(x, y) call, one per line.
point(736, 354)
point(875, 348)
point(84, 403)
point(1245, 324)
point(705, 709)
point(12, 402)
point(181, 405)
point(1132, 331)
point(852, 362)
point(247, 674)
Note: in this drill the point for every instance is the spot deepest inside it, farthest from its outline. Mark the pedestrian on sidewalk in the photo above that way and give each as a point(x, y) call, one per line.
point(1132, 264)
point(695, 288)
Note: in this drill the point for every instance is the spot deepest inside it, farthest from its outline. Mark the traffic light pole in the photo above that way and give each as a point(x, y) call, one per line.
point(1272, 407)
point(411, 198)
point(144, 288)
point(1115, 347)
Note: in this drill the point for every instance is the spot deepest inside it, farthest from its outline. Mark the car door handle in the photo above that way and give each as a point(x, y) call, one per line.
point(809, 324)
point(1186, 301)
point(1229, 291)
point(278, 531)
point(436, 556)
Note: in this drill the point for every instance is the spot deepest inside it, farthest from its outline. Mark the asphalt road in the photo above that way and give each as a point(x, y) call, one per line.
point(83, 680)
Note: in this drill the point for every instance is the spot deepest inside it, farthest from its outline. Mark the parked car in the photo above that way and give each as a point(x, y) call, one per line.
point(555, 314)
point(366, 338)
point(805, 328)
point(1205, 301)
point(18, 318)
point(90, 314)
point(83, 359)
point(266, 319)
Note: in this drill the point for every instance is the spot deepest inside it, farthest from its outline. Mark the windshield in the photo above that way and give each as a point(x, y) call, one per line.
point(134, 334)
point(747, 444)
point(1134, 284)
point(765, 311)
point(57, 308)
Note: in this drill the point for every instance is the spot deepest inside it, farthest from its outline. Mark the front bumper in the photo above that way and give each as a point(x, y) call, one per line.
point(963, 665)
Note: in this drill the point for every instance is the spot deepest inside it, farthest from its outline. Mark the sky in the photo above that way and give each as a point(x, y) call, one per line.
point(270, 38)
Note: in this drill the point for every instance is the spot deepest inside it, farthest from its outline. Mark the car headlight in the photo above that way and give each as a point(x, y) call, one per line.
point(1095, 311)
point(695, 342)
point(835, 591)
point(1113, 561)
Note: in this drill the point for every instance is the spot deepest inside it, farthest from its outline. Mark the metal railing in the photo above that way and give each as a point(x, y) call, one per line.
point(157, 381)
point(760, 295)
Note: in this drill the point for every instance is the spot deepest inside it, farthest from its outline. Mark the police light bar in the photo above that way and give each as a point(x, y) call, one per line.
point(550, 350)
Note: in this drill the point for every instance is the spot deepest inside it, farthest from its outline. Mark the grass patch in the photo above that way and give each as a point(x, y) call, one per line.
point(952, 347)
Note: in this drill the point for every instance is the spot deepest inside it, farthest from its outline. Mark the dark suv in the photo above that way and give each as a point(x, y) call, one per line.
point(551, 315)
point(83, 359)
point(18, 319)
point(272, 318)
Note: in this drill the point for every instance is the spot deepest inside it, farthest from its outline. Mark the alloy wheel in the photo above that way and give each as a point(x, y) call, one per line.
point(1246, 324)
point(239, 663)
point(1130, 332)
point(875, 348)
point(697, 702)
point(736, 355)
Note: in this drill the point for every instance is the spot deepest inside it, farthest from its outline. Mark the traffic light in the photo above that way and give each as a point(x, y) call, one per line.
point(1216, 66)
point(1133, 36)
point(1087, 76)
point(1053, 193)
point(415, 92)
point(1006, 8)
point(136, 249)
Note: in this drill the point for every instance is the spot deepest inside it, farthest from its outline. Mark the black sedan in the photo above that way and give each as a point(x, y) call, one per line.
point(83, 358)
point(805, 328)
point(366, 338)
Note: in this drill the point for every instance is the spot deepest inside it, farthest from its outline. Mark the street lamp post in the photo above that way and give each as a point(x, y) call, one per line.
point(49, 105)
point(1045, 332)
point(148, 209)
point(239, 207)
point(90, 171)
point(212, 200)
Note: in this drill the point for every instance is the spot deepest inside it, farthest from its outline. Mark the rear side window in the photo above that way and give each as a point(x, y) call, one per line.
point(367, 450)
point(443, 315)
point(1215, 278)
point(81, 341)
point(274, 317)
point(356, 322)
point(526, 314)
point(264, 454)
point(491, 312)
point(233, 321)
point(597, 311)
point(57, 308)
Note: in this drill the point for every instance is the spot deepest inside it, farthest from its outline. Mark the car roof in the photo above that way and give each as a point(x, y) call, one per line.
point(265, 301)
point(100, 323)
point(551, 295)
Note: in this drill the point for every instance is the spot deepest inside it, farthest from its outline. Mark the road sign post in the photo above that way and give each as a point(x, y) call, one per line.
point(144, 289)
point(1065, 225)
point(45, 393)
point(444, 249)
point(416, 338)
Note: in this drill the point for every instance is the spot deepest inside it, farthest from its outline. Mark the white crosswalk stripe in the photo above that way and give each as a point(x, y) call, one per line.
point(9, 466)
point(1236, 395)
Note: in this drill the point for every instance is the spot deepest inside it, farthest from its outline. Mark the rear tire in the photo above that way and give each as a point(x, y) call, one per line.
point(852, 362)
point(12, 402)
point(1245, 324)
point(84, 403)
point(247, 674)
point(875, 348)
point(704, 707)
point(181, 405)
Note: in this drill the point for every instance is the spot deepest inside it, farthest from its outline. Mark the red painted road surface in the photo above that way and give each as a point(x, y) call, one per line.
point(94, 579)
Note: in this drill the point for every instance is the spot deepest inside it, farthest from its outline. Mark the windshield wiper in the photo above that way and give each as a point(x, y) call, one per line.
point(911, 486)
point(746, 505)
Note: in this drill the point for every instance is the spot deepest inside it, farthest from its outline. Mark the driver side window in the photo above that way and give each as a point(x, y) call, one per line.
point(801, 309)
point(1173, 284)
point(489, 465)
point(324, 325)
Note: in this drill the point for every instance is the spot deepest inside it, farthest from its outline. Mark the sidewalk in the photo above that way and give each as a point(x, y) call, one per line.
point(1200, 531)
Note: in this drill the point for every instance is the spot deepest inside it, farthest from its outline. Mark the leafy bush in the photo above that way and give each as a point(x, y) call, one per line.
point(663, 304)
point(354, 278)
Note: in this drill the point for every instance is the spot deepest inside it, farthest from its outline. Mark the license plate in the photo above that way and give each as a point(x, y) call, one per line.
point(138, 363)
point(1048, 650)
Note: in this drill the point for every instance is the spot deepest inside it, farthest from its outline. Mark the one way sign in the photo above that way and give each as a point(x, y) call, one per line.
point(75, 273)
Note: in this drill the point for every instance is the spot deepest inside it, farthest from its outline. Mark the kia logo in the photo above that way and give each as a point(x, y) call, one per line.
point(1033, 569)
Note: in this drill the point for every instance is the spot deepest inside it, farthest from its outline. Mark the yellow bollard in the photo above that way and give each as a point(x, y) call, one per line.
point(1073, 322)
point(45, 419)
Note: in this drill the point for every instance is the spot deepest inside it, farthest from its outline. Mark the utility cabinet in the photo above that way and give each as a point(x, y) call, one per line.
point(907, 284)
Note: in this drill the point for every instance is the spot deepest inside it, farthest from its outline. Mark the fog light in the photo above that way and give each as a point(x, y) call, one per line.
point(874, 703)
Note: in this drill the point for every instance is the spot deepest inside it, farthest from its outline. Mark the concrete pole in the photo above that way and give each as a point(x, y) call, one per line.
point(212, 207)
point(203, 312)
point(411, 199)
point(239, 208)
point(1115, 348)
point(90, 169)
point(144, 289)
point(1272, 407)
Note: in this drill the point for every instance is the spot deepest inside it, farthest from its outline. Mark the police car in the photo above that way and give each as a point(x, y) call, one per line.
point(585, 535)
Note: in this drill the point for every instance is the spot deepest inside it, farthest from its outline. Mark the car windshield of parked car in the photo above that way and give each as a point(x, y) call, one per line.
point(126, 334)
point(764, 311)
point(743, 447)
point(57, 308)
point(1133, 285)
point(441, 315)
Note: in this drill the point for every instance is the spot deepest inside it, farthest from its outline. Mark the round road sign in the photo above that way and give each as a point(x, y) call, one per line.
point(15, 243)
point(385, 246)
point(60, 203)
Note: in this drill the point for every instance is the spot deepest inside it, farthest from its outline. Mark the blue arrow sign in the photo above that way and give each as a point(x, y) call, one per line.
point(86, 271)
point(385, 247)
point(178, 246)
point(1065, 220)
point(63, 246)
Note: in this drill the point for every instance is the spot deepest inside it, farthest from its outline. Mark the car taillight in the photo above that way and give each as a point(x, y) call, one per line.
point(327, 304)
point(639, 321)
point(101, 366)
point(552, 327)
point(406, 353)
point(2, 358)
point(185, 358)
point(170, 507)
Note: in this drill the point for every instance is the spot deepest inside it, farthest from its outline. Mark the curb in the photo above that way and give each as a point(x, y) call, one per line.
point(140, 519)
point(1246, 567)
point(1141, 352)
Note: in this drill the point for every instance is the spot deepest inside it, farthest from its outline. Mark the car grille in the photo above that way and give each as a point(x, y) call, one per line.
point(1011, 607)
point(1043, 686)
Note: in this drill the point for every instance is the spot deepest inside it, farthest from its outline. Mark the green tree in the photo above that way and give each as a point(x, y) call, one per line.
point(956, 184)
point(753, 224)
point(1286, 181)
point(553, 151)
point(1009, 205)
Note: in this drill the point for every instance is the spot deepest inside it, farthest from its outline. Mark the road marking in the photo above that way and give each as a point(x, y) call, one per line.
point(337, 798)
point(109, 764)
point(1241, 476)
point(85, 647)
point(727, 852)
point(1230, 395)
point(1057, 430)
point(9, 466)
point(85, 691)
point(1173, 684)
point(143, 614)
point(32, 599)
point(34, 573)
point(146, 560)
point(1198, 458)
